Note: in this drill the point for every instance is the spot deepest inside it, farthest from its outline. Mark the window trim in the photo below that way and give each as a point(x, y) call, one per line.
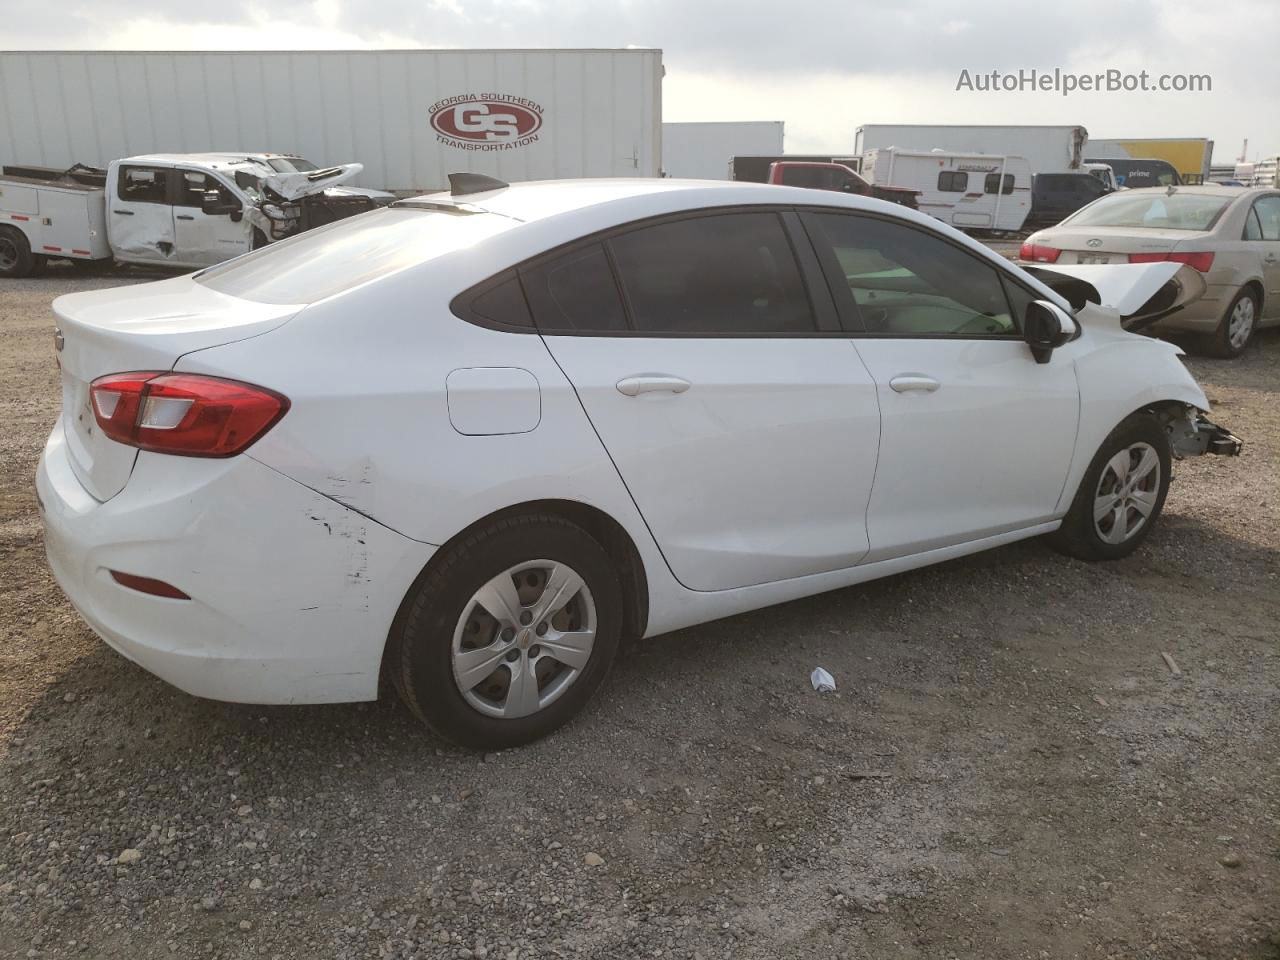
point(856, 327)
point(827, 321)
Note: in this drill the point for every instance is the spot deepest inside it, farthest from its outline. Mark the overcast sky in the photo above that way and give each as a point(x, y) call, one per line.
point(824, 68)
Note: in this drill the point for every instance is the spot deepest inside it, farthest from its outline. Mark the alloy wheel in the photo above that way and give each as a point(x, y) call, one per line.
point(1127, 493)
point(523, 638)
point(1240, 326)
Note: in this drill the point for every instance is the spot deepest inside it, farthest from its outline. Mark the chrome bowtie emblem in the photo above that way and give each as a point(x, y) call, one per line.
point(1095, 242)
point(59, 341)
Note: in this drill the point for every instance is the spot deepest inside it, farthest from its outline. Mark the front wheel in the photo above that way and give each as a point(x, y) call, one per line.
point(1121, 494)
point(509, 633)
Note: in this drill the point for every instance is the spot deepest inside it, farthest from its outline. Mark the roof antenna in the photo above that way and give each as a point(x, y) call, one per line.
point(461, 184)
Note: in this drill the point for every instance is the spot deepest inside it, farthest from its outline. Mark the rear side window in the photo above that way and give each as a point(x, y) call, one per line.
point(499, 301)
point(143, 184)
point(953, 181)
point(575, 292)
point(338, 256)
point(729, 274)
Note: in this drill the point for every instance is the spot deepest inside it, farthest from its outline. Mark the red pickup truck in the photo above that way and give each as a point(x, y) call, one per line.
point(835, 176)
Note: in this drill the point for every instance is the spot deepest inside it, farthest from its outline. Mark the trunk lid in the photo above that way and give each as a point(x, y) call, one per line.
point(144, 327)
point(1112, 245)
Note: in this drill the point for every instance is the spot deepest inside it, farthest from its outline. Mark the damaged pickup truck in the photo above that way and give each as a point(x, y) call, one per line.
point(180, 210)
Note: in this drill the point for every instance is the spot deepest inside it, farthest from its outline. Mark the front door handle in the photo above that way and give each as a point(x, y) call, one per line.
point(123, 213)
point(1270, 258)
point(905, 382)
point(183, 216)
point(652, 383)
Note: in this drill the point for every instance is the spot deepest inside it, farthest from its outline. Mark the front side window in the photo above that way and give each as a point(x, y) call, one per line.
point(193, 185)
point(908, 282)
point(1268, 211)
point(144, 184)
point(953, 181)
point(731, 274)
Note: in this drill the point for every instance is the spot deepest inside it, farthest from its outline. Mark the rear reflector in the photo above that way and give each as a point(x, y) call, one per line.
point(184, 413)
point(1202, 261)
point(1039, 253)
point(157, 588)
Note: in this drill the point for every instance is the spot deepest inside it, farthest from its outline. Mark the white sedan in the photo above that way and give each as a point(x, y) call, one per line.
point(471, 440)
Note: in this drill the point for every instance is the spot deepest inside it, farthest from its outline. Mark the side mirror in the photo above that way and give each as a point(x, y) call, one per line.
point(1045, 328)
point(213, 204)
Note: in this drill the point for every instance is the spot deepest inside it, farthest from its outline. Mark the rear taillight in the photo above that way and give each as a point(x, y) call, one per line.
point(1039, 253)
point(1202, 261)
point(184, 413)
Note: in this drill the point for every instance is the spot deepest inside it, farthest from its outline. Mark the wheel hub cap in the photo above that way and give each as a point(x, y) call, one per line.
point(523, 639)
point(1127, 493)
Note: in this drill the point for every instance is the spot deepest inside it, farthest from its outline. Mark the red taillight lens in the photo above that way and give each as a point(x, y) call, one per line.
point(184, 413)
point(1039, 253)
point(1201, 261)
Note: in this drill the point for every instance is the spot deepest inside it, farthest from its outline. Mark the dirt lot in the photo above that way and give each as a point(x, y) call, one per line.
point(1009, 770)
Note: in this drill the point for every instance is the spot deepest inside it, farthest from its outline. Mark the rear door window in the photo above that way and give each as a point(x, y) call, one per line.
point(1268, 211)
point(144, 184)
point(720, 274)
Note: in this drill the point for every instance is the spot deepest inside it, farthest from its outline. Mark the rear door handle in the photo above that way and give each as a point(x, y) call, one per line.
point(905, 382)
point(652, 383)
point(183, 216)
point(124, 213)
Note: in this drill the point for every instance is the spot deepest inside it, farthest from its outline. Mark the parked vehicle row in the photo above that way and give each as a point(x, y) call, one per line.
point(472, 439)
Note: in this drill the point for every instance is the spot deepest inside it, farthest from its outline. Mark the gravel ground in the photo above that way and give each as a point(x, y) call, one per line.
point(1009, 770)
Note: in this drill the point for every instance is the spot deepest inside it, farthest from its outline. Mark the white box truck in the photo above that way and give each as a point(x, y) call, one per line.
point(411, 117)
point(1048, 149)
point(703, 151)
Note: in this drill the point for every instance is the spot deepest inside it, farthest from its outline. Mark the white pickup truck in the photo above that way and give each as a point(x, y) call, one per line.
point(180, 210)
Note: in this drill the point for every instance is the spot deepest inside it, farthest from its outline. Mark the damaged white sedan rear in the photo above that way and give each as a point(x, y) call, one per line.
point(471, 440)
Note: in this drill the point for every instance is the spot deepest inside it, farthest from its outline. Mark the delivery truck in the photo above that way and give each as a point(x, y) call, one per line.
point(410, 116)
point(175, 210)
point(1191, 157)
point(1047, 149)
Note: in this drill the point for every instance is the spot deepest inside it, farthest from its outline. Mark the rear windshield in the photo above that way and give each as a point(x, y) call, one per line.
point(1161, 211)
point(342, 255)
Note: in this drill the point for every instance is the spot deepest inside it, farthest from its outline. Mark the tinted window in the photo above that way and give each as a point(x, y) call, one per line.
point(342, 255)
point(726, 274)
point(1164, 211)
point(910, 282)
point(1268, 210)
point(143, 185)
point(499, 300)
point(953, 181)
point(992, 183)
point(575, 291)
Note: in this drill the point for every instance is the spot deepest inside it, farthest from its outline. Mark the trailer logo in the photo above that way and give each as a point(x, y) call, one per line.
point(487, 121)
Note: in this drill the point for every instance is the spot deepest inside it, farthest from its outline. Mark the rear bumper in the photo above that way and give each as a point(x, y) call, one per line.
point(291, 594)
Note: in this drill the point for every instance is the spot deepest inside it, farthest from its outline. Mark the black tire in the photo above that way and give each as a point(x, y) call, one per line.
point(420, 658)
point(1219, 343)
point(16, 258)
point(1079, 536)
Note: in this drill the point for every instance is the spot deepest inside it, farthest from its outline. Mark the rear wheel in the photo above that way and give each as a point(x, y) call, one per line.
point(509, 633)
point(1236, 327)
point(1121, 495)
point(16, 258)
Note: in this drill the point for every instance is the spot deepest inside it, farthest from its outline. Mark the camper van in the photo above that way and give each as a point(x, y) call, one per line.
point(970, 191)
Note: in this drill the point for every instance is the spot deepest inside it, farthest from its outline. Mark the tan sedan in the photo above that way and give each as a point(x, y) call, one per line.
point(1230, 234)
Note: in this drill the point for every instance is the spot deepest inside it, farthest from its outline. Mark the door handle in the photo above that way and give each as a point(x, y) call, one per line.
point(905, 382)
point(124, 213)
point(652, 383)
point(183, 216)
point(1270, 258)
